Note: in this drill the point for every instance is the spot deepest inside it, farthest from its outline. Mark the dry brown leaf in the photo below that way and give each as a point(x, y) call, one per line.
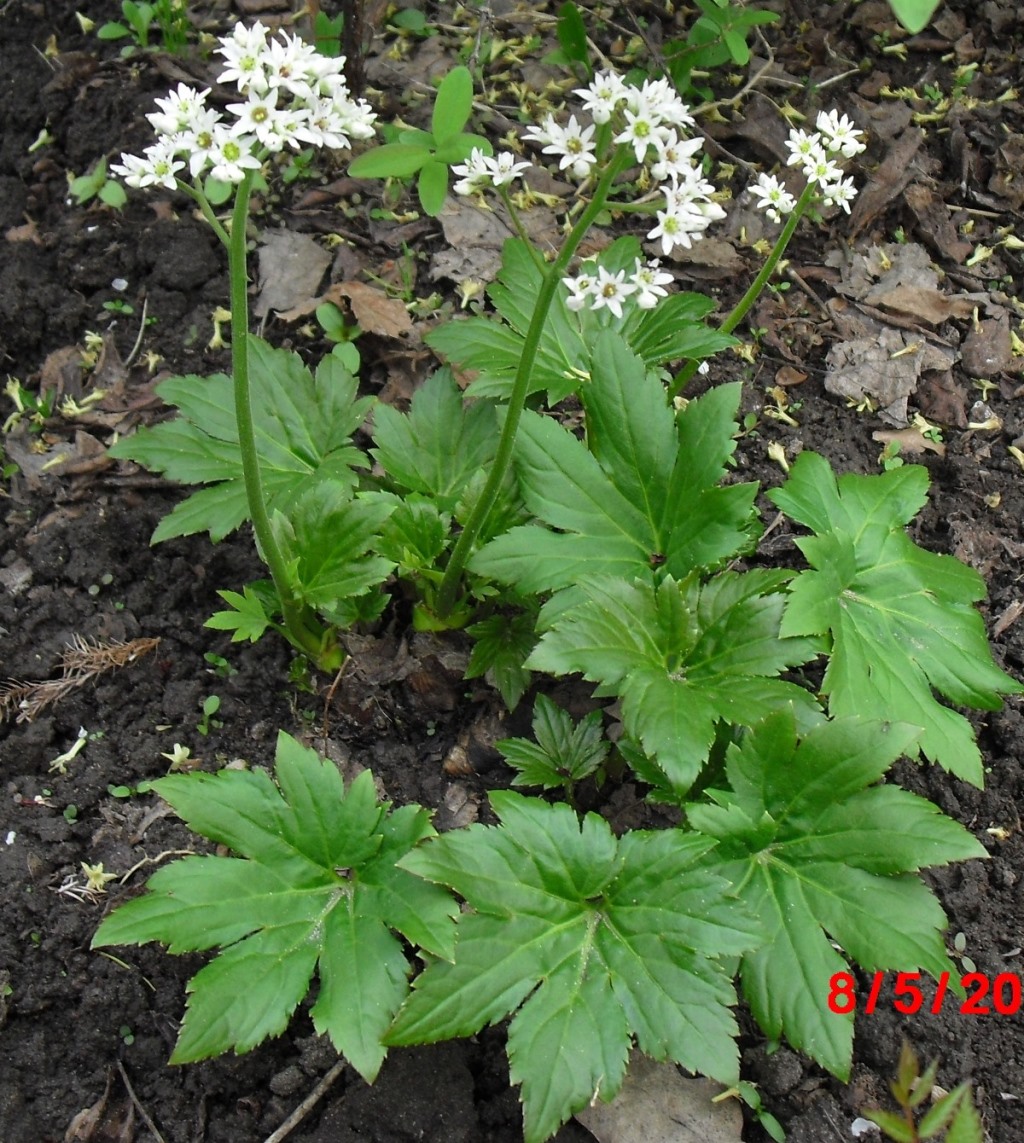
point(27, 232)
point(656, 1104)
point(933, 221)
point(788, 376)
point(373, 309)
point(292, 267)
point(987, 350)
point(910, 440)
point(888, 181)
point(885, 367)
point(919, 303)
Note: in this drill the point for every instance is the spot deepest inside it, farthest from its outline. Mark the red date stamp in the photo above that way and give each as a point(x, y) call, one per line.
point(1001, 995)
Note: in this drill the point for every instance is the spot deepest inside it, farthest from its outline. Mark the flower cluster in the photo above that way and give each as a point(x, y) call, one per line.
point(293, 96)
point(599, 288)
point(817, 153)
point(652, 121)
point(480, 172)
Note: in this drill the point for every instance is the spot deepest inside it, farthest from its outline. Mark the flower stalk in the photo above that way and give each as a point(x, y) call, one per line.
point(448, 591)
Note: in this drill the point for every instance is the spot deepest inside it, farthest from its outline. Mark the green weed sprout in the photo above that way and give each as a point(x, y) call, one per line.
point(953, 1117)
point(168, 17)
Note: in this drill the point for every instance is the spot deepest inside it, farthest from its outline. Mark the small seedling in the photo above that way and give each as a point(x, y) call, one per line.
point(140, 20)
point(211, 704)
point(96, 184)
point(219, 665)
point(33, 408)
point(952, 1116)
point(429, 154)
point(336, 329)
point(563, 754)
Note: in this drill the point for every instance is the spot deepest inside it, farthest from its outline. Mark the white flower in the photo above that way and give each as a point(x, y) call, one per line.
point(475, 172)
point(287, 64)
point(641, 131)
point(581, 290)
point(358, 117)
point(775, 199)
point(804, 147)
point(674, 155)
point(650, 281)
point(178, 110)
point(660, 100)
point(611, 290)
point(503, 168)
point(197, 142)
point(157, 167)
point(603, 96)
point(839, 134)
point(258, 116)
point(820, 169)
point(839, 193)
point(669, 229)
point(574, 145)
point(244, 52)
point(231, 156)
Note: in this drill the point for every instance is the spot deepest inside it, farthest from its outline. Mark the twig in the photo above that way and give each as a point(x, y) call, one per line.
point(330, 698)
point(307, 1105)
point(143, 1113)
point(81, 661)
point(138, 341)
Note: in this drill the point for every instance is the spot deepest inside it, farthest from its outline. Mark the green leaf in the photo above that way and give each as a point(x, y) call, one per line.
point(819, 851)
point(390, 161)
point(453, 104)
point(645, 495)
point(327, 539)
point(437, 446)
point(112, 31)
point(458, 148)
point(432, 187)
point(586, 941)
point(902, 619)
point(317, 889)
point(674, 330)
point(680, 657)
point(966, 1126)
point(303, 427)
point(112, 194)
point(501, 646)
point(563, 753)
point(895, 1126)
point(414, 535)
point(941, 1113)
point(914, 16)
point(572, 34)
point(247, 619)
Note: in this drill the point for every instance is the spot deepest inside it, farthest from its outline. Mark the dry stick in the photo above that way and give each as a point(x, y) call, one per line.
point(143, 1113)
point(307, 1105)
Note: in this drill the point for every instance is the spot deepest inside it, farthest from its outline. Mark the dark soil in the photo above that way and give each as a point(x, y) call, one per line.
point(79, 1026)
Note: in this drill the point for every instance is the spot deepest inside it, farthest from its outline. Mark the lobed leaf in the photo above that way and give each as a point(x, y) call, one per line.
point(437, 446)
point(303, 423)
point(316, 890)
point(645, 495)
point(681, 658)
point(587, 941)
point(563, 752)
point(901, 619)
point(818, 852)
